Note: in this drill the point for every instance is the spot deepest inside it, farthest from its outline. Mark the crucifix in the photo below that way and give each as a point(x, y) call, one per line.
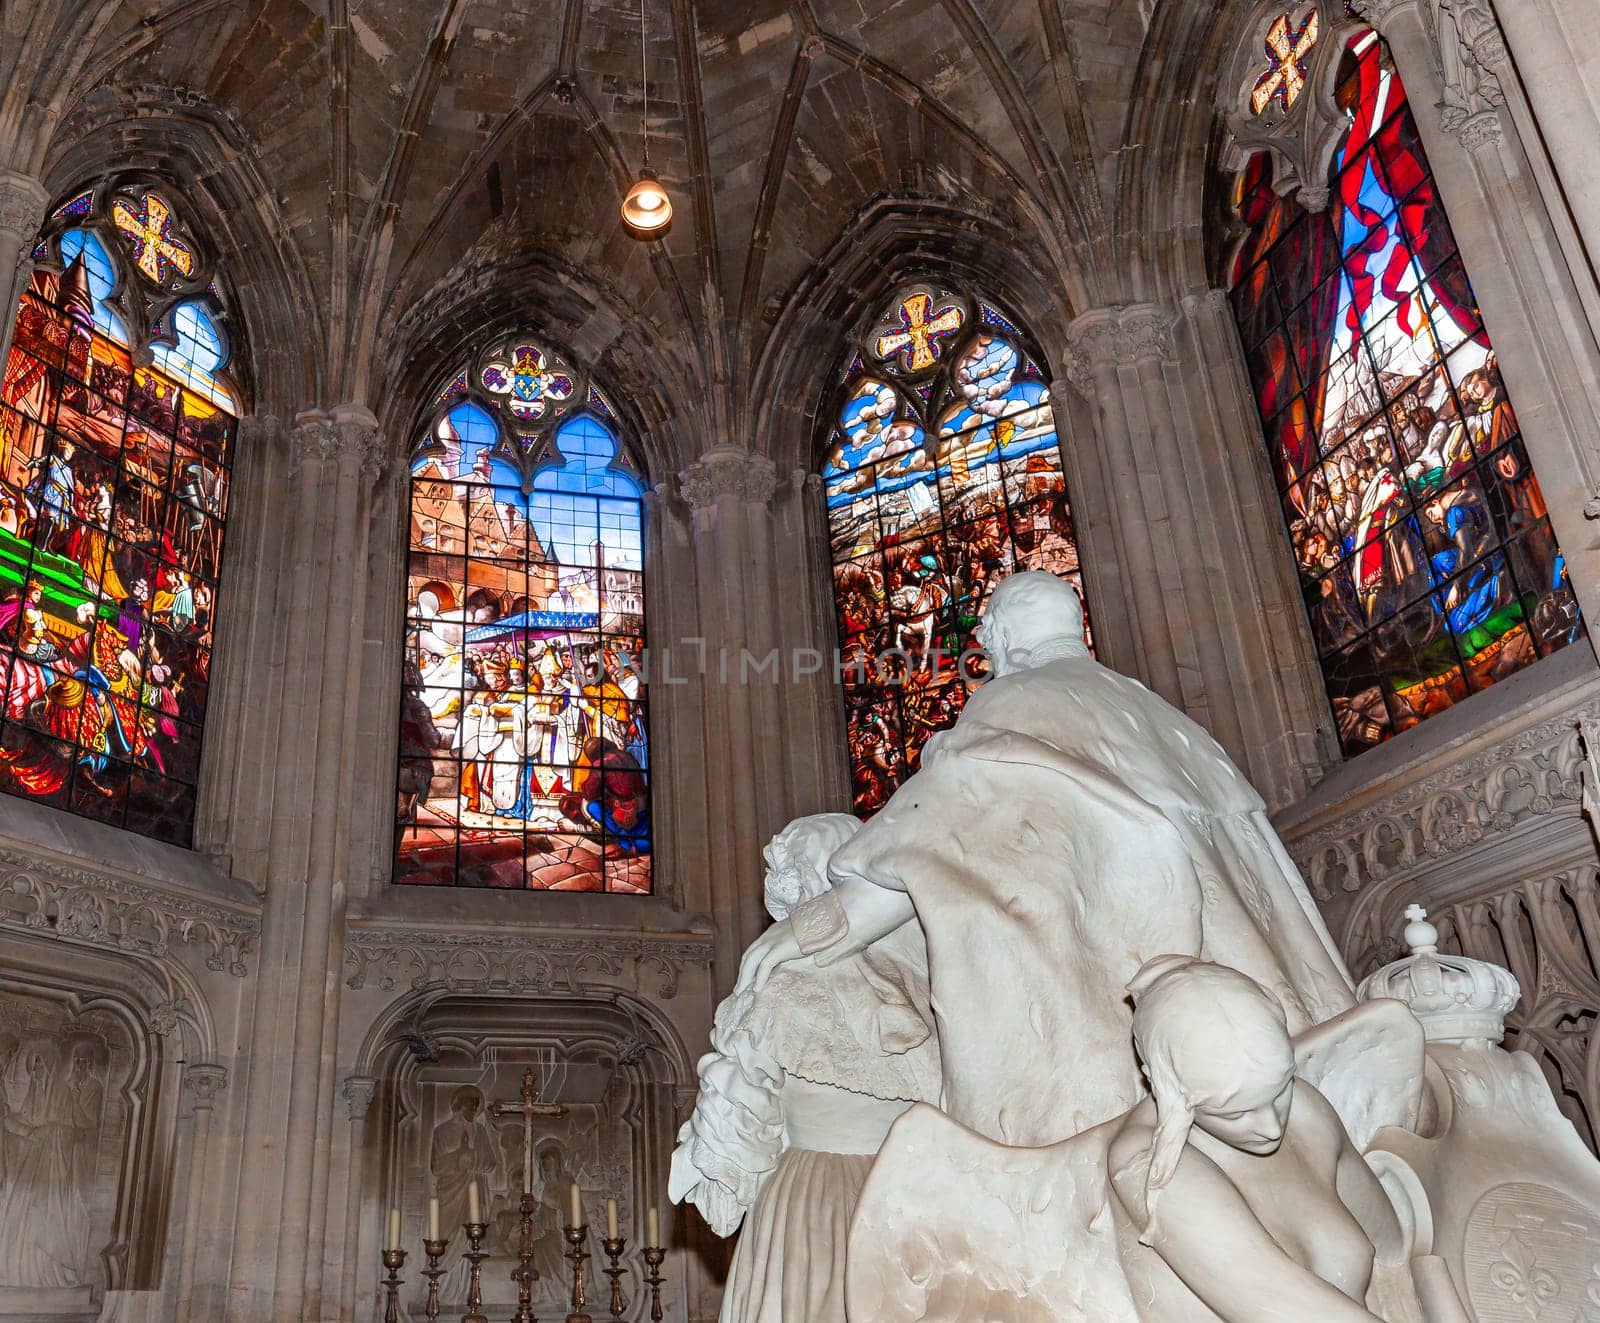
point(525, 1274)
point(527, 1109)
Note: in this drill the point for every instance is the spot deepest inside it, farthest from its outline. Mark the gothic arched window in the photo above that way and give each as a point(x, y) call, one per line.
point(524, 754)
point(117, 421)
point(1424, 550)
point(943, 474)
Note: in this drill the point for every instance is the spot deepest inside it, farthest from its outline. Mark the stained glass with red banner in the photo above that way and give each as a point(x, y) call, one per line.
point(1424, 548)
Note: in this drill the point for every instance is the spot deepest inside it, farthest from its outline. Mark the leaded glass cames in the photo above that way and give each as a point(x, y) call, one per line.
point(942, 475)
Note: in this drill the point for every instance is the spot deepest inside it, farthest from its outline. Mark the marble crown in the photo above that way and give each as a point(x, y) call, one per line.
point(1459, 1000)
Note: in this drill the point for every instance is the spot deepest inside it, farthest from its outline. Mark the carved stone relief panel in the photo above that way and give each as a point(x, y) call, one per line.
point(65, 1116)
point(595, 1062)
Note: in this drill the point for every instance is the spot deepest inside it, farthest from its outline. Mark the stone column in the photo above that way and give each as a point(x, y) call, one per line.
point(22, 202)
point(1553, 44)
point(1188, 567)
point(1532, 310)
point(332, 457)
point(729, 493)
point(202, 1081)
point(358, 1095)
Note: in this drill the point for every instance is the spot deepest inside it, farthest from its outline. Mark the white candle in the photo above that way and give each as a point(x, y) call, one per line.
point(577, 1205)
point(653, 1238)
point(394, 1228)
point(611, 1219)
point(433, 1219)
point(472, 1202)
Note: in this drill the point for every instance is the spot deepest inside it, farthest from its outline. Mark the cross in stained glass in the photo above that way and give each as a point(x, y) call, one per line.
point(1287, 49)
point(917, 340)
point(149, 230)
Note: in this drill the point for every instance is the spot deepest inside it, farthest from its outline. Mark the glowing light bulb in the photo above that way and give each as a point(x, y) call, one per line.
point(647, 210)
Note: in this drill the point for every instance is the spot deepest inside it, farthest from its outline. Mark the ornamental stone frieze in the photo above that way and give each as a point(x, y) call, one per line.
point(1533, 772)
point(417, 960)
point(78, 905)
point(727, 473)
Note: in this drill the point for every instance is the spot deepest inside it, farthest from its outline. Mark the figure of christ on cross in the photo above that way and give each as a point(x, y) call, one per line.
point(1285, 77)
point(918, 333)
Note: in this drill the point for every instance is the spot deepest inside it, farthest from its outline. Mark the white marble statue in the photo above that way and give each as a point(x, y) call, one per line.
point(805, 1077)
point(1233, 1192)
point(1070, 826)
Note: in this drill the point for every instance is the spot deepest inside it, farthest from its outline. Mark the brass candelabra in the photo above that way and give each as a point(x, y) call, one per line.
point(525, 1274)
point(653, 1256)
point(393, 1260)
point(475, 1256)
point(434, 1249)
point(613, 1246)
point(578, 1239)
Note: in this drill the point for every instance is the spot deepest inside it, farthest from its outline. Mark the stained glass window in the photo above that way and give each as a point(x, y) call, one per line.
point(114, 473)
point(524, 750)
point(1425, 554)
point(943, 475)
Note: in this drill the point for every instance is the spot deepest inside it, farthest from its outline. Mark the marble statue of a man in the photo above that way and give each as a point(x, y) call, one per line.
point(1070, 826)
point(803, 1081)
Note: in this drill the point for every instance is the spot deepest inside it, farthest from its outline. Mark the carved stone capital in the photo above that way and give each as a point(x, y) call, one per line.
point(1115, 337)
point(204, 1081)
point(164, 1016)
point(260, 429)
point(1475, 131)
point(727, 473)
point(358, 1093)
point(344, 433)
point(22, 205)
point(1381, 13)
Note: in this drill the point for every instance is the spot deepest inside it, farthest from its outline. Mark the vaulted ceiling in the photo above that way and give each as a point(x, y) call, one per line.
point(395, 174)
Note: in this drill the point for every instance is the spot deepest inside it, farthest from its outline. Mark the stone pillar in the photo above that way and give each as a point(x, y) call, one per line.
point(729, 493)
point(358, 1095)
point(1532, 310)
point(202, 1081)
point(1552, 56)
point(331, 458)
point(22, 202)
point(1200, 591)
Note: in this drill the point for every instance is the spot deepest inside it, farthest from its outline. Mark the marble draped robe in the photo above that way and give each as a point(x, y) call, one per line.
point(1070, 826)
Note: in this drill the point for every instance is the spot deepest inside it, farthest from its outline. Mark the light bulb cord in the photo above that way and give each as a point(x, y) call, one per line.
point(644, 77)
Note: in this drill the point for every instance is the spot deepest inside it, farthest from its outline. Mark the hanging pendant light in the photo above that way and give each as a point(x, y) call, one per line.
point(647, 210)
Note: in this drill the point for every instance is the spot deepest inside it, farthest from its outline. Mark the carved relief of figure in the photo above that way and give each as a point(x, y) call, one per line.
point(9, 1046)
point(44, 1217)
point(462, 1151)
point(555, 1182)
point(805, 1077)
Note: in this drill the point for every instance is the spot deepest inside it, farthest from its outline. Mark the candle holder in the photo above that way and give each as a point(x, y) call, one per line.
point(525, 1274)
point(475, 1256)
point(578, 1238)
point(434, 1249)
point(613, 1247)
point(393, 1260)
point(654, 1255)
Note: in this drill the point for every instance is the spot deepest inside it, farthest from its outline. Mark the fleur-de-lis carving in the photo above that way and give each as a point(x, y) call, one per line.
point(1518, 1275)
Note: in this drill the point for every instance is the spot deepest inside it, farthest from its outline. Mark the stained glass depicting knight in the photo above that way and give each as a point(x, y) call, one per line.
point(117, 422)
point(942, 474)
point(524, 758)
